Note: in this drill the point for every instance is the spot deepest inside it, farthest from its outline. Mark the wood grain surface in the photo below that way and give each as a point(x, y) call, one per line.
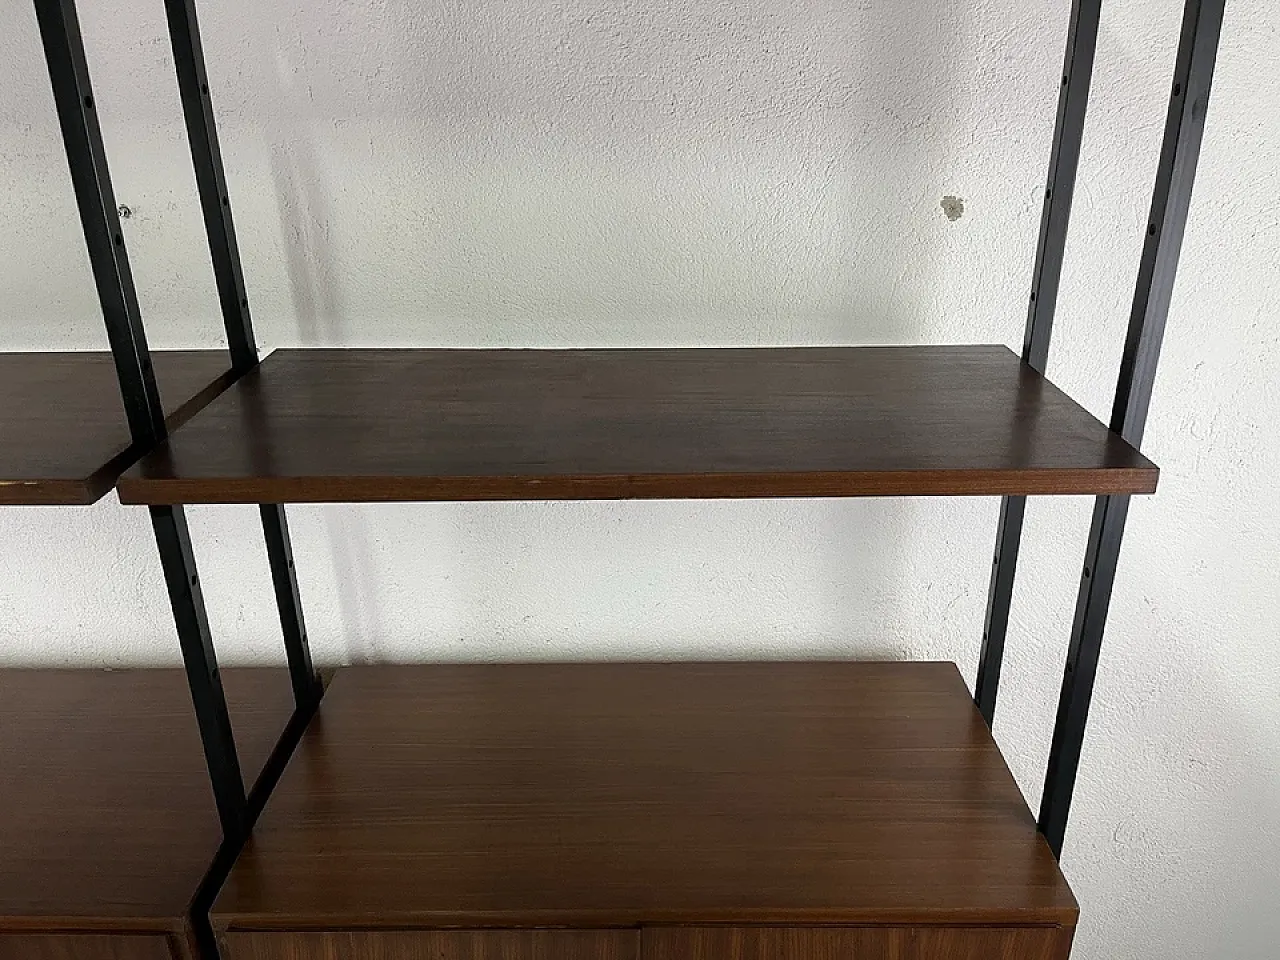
point(63, 434)
point(435, 945)
point(854, 943)
point(618, 794)
point(108, 818)
point(84, 946)
point(363, 425)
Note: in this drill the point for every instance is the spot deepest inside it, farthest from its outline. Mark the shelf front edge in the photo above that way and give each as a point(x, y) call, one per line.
point(134, 489)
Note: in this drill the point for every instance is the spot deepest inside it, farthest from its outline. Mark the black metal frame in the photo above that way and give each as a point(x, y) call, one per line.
point(1064, 159)
point(1170, 204)
point(224, 251)
point(1171, 201)
point(86, 158)
point(1193, 74)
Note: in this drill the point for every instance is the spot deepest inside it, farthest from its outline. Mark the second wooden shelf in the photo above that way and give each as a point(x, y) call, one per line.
point(366, 425)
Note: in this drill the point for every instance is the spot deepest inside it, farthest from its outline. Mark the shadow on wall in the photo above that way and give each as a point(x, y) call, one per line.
point(590, 173)
point(306, 222)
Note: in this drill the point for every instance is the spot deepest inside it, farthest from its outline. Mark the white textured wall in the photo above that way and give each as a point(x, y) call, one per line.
point(579, 172)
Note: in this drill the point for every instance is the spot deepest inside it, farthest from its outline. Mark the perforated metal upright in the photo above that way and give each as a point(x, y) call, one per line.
point(109, 260)
point(1170, 204)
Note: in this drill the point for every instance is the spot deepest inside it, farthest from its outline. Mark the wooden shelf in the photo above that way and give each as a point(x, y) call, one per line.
point(108, 822)
point(616, 796)
point(63, 434)
point(366, 425)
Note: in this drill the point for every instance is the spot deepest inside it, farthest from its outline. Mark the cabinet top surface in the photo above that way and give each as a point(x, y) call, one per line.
point(63, 434)
point(364, 425)
point(108, 817)
point(618, 794)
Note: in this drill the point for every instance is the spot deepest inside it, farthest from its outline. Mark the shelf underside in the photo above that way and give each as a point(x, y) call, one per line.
point(108, 823)
point(628, 794)
point(63, 434)
point(376, 425)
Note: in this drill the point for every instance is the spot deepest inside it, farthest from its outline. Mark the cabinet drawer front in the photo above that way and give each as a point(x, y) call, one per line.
point(434, 945)
point(856, 943)
point(84, 946)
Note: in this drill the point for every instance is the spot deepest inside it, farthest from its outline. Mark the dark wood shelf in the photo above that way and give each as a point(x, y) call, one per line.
point(63, 434)
point(617, 796)
point(367, 425)
point(108, 823)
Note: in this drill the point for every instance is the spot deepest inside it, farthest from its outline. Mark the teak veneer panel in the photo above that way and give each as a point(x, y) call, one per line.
point(435, 945)
point(857, 943)
point(89, 946)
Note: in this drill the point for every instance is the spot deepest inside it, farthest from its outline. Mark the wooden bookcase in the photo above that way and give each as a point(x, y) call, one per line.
point(625, 811)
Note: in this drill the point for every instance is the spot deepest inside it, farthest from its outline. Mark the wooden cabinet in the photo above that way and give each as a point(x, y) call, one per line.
point(767, 811)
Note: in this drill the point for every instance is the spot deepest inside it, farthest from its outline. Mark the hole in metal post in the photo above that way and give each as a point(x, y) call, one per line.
point(1033, 296)
point(204, 88)
point(1064, 79)
point(119, 240)
point(88, 102)
point(1087, 572)
point(1151, 229)
point(225, 201)
point(1177, 89)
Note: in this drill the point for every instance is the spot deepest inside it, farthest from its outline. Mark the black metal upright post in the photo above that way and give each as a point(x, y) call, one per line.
point(109, 261)
point(215, 202)
point(1073, 103)
point(1170, 203)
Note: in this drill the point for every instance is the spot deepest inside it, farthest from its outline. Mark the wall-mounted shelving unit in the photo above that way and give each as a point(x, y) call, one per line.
point(629, 811)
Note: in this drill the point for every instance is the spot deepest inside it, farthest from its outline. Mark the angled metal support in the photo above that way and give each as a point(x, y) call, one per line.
point(174, 543)
point(1170, 203)
point(109, 260)
point(91, 180)
point(307, 688)
point(1073, 103)
point(215, 203)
